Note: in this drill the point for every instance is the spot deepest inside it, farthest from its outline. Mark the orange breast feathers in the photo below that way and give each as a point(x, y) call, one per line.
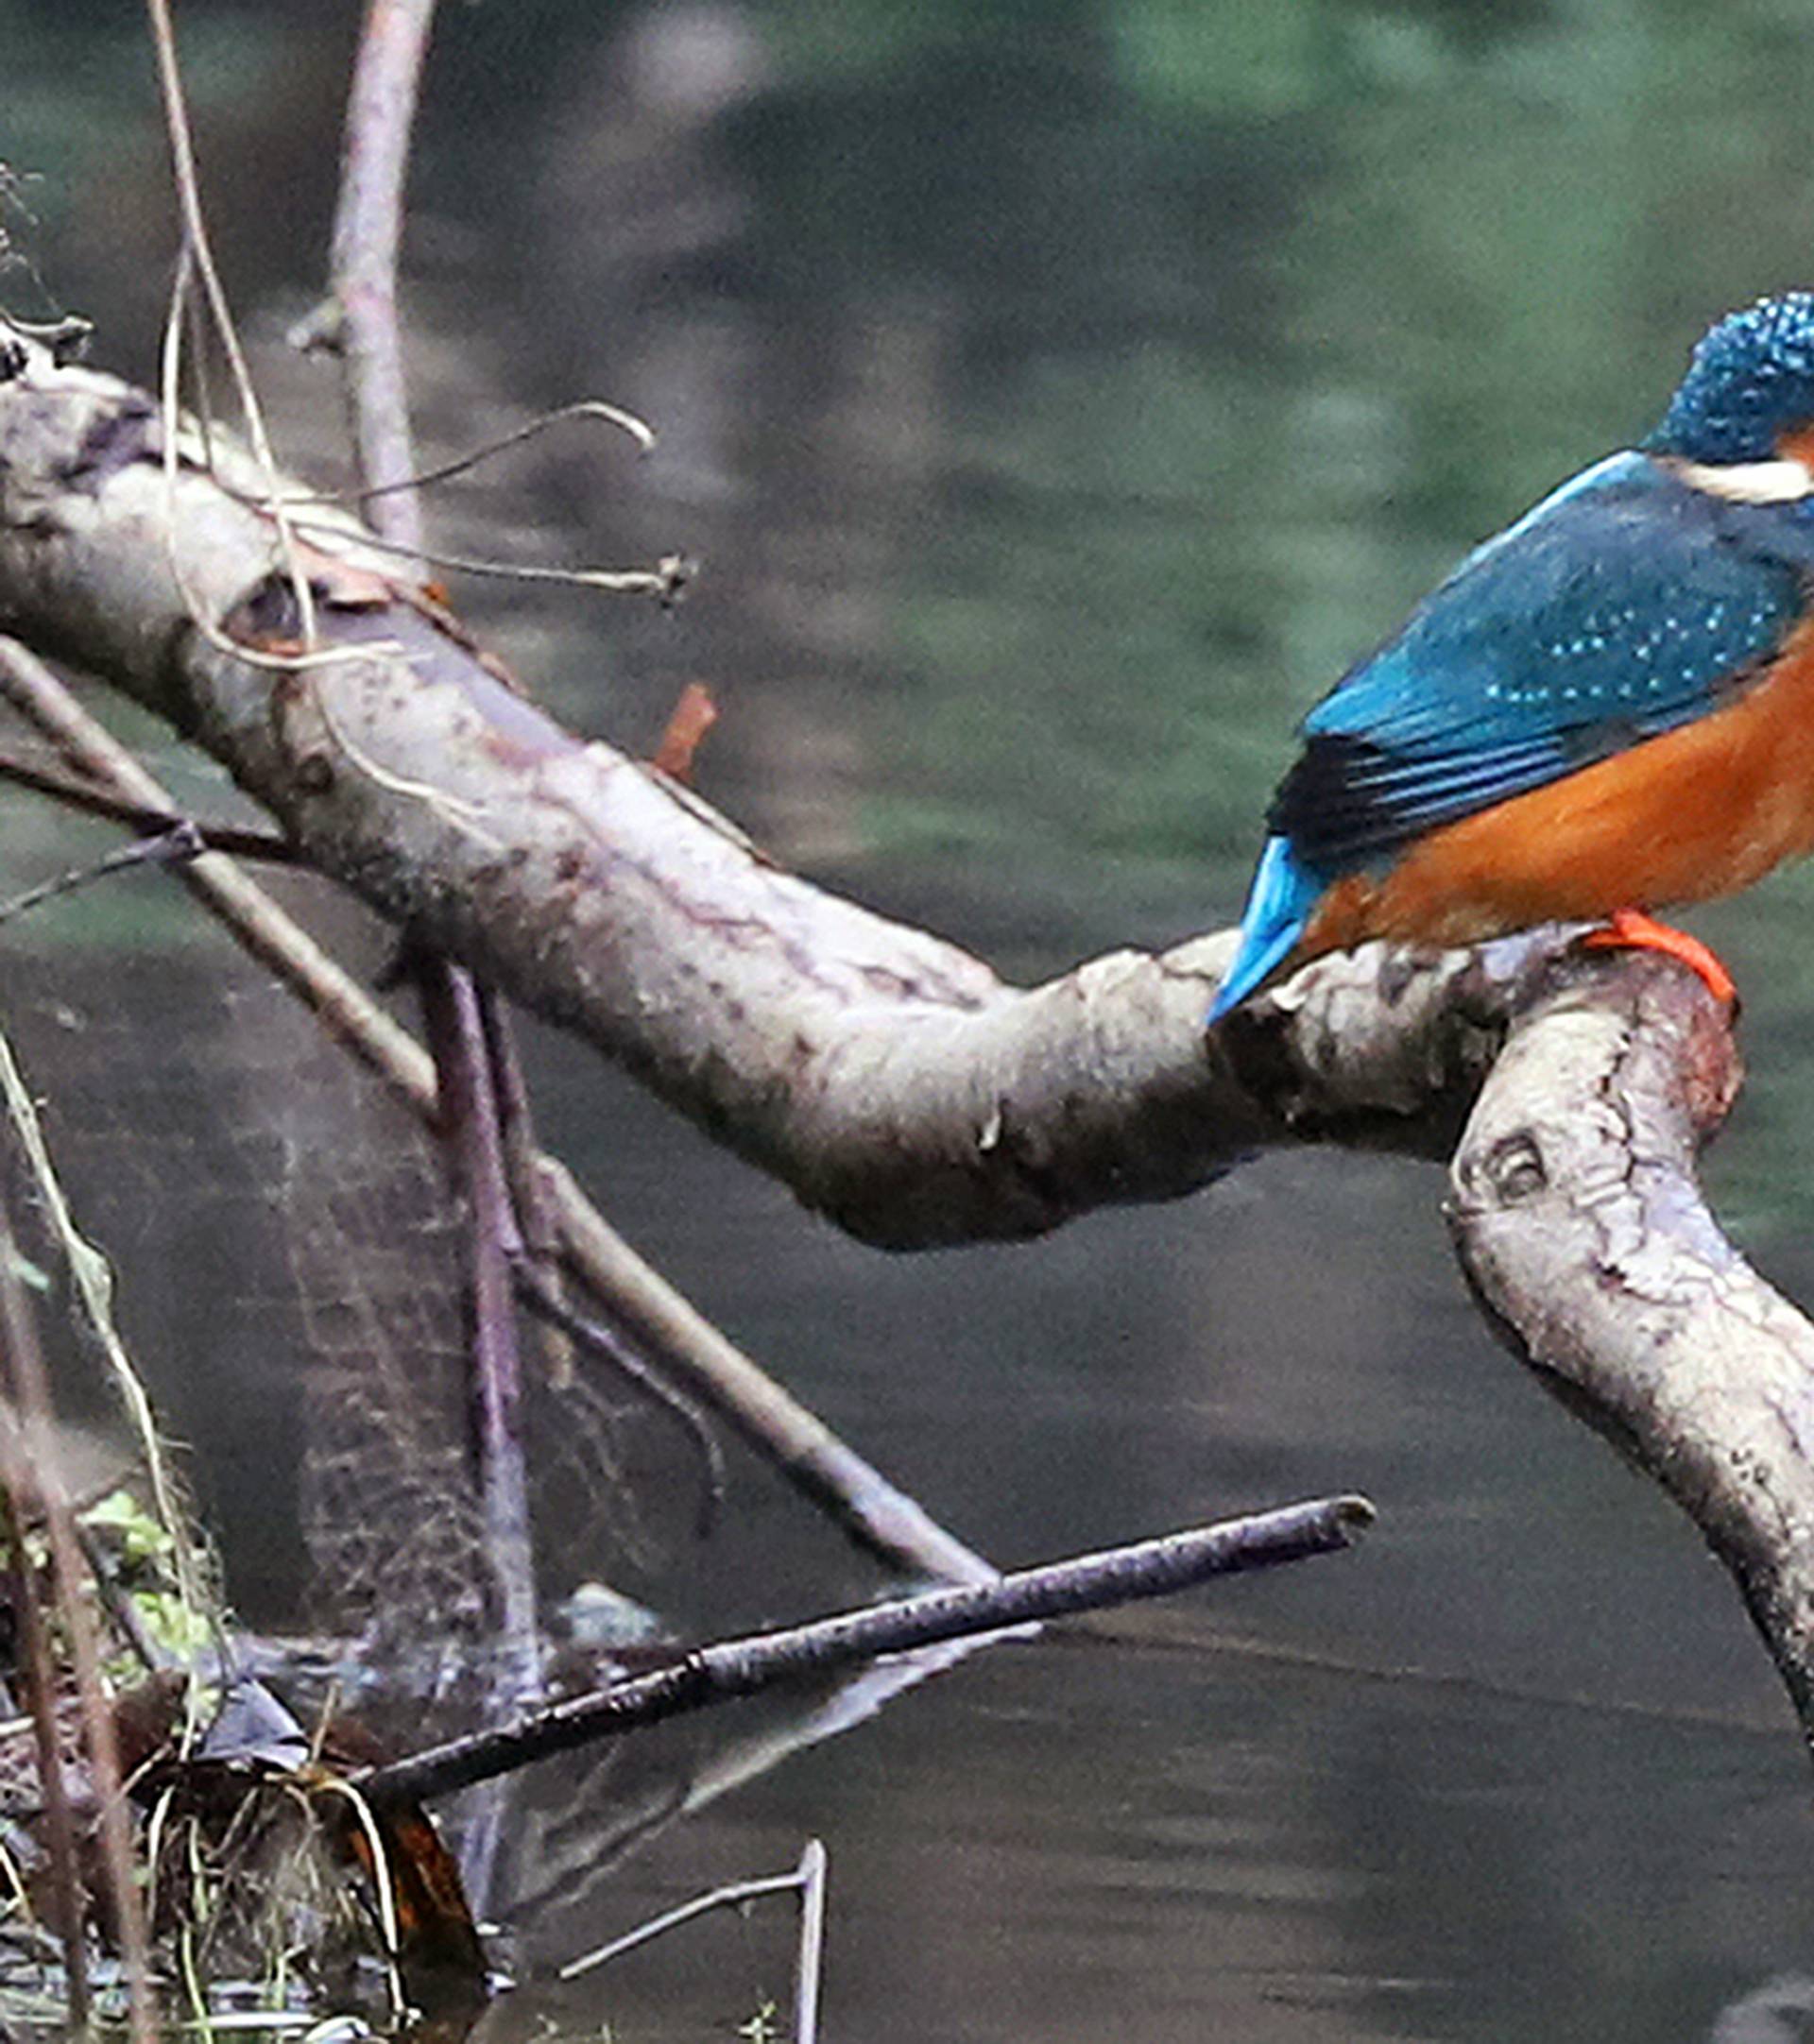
point(1699, 811)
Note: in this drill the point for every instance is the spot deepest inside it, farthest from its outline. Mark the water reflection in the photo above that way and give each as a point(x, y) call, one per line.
point(1058, 398)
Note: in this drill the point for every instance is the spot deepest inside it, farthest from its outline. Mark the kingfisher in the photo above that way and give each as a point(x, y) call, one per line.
point(1606, 708)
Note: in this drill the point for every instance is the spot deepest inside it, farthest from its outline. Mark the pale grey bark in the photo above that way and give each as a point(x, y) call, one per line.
point(1577, 1215)
point(892, 1079)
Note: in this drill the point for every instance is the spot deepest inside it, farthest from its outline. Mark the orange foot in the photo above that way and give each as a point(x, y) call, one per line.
point(1631, 929)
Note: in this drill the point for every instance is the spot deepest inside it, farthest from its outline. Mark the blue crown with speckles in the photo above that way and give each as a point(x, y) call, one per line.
point(1750, 380)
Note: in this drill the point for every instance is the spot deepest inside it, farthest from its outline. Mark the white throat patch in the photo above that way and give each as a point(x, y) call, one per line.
point(1749, 482)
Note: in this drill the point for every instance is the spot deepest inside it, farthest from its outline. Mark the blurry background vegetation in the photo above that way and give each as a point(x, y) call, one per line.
point(1087, 384)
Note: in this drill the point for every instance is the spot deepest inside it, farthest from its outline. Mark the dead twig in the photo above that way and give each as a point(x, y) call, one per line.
point(809, 1964)
point(362, 266)
point(703, 1362)
point(743, 1667)
point(368, 231)
point(93, 1288)
point(198, 254)
point(232, 839)
point(469, 1128)
point(732, 1895)
point(40, 1696)
point(528, 1192)
point(807, 1881)
point(539, 1293)
point(667, 581)
point(313, 332)
point(169, 847)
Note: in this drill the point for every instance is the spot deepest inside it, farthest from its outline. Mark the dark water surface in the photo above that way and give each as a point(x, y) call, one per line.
point(1057, 398)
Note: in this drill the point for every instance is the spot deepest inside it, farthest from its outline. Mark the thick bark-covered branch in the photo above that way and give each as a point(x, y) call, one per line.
point(1577, 1217)
point(891, 1079)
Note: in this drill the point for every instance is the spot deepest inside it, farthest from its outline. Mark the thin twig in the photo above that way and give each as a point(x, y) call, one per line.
point(528, 1193)
point(702, 1359)
point(41, 1695)
point(809, 1965)
point(733, 1894)
point(367, 231)
point(613, 415)
point(116, 1601)
point(303, 336)
point(665, 581)
point(742, 1667)
point(542, 1296)
point(469, 1123)
point(362, 272)
point(233, 839)
point(91, 1282)
point(198, 250)
point(170, 847)
point(362, 266)
point(265, 931)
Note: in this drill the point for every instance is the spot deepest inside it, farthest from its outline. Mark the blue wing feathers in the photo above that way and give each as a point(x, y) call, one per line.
point(1624, 606)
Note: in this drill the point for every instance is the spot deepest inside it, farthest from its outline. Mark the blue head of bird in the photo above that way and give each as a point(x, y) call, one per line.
point(1748, 399)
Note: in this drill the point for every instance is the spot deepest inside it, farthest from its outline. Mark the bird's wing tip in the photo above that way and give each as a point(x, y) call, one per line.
point(1278, 906)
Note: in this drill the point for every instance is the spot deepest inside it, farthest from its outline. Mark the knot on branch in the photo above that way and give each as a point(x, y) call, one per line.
point(1513, 1170)
point(1608, 1083)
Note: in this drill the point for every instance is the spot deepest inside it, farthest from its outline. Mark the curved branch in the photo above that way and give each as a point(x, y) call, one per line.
point(889, 1078)
point(1577, 1217)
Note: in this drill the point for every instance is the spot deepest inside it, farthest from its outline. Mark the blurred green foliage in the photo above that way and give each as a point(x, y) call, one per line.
point(1323, 293)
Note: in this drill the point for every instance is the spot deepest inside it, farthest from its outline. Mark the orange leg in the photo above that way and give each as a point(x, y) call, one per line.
point(1631, 929)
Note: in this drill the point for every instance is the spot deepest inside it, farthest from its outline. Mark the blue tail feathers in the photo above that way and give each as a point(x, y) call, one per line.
point(1279, 907)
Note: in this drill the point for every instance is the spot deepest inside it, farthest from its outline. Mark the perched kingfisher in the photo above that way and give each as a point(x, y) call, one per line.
point(1606, 708)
